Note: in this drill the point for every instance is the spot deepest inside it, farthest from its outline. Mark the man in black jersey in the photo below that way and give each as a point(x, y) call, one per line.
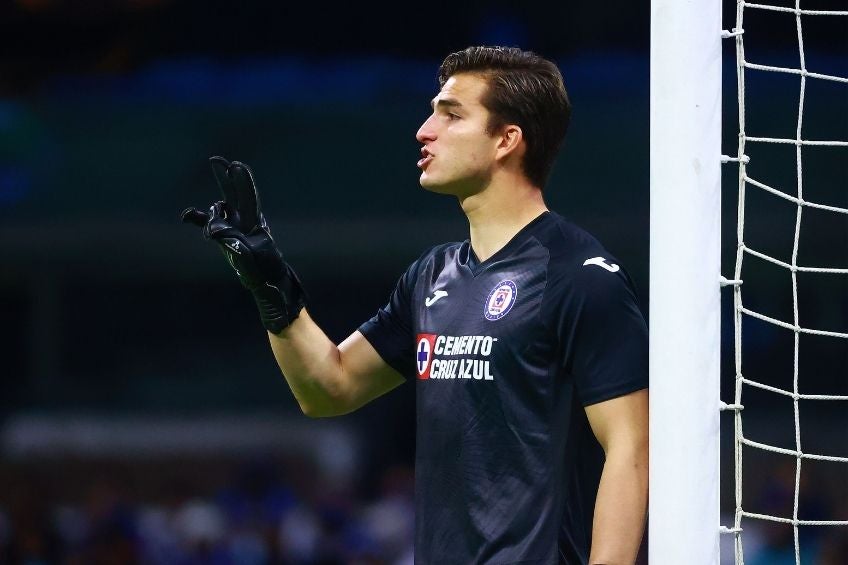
point(525, 341)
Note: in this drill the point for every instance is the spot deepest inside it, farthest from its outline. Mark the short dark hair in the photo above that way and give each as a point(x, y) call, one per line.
point(524, 89)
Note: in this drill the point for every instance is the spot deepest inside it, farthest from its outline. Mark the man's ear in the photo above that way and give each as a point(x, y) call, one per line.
point(509, 141)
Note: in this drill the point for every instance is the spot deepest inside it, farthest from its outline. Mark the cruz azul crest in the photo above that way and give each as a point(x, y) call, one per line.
point(500, 300)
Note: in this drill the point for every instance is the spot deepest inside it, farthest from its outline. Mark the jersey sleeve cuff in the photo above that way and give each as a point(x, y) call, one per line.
point(390, 351)
point(602, 395)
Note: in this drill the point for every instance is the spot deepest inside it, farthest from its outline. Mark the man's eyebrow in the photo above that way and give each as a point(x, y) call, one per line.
point(446, 102)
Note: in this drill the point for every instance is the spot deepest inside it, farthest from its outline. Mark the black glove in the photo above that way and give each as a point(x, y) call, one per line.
point(237, 225)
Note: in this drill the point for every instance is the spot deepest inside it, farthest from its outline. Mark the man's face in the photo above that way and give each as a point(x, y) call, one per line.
point(458, 154)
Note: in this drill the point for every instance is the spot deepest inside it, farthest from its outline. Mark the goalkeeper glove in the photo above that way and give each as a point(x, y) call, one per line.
point(237, 225)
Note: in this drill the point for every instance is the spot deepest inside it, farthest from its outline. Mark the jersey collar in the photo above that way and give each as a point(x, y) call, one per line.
point(468, 258)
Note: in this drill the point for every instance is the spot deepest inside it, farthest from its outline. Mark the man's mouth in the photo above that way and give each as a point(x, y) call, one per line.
point(426, 157)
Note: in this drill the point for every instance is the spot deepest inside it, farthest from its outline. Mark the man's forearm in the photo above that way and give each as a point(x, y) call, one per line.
point(621, 507)
point(311, 364)
point(330, 380)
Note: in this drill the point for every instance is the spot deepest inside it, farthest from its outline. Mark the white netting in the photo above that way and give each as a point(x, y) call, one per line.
point(743, 66)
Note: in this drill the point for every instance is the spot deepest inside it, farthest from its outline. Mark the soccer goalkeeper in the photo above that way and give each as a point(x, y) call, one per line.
point(525, 341)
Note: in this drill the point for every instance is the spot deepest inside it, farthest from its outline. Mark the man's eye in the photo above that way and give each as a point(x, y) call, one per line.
point(452, 116)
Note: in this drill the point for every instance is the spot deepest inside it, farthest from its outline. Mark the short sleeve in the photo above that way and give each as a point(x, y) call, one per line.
point(390, 330)
point(603, 332)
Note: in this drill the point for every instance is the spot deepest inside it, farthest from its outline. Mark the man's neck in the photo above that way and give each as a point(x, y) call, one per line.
point(499, 212)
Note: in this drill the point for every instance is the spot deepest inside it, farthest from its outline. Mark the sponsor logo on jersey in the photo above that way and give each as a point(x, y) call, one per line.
point(424, 354)
point(454, 356)
point(500, 300)
point(601, 262)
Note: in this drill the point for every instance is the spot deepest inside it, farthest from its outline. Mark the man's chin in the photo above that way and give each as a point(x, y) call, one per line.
point(432, 185)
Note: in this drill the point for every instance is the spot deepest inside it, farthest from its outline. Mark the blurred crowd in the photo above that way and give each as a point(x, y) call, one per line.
point(771, 542)
point(290, 511)
point(262, 514)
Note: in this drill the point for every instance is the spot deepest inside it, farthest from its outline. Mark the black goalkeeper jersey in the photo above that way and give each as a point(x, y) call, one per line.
point(505, 353)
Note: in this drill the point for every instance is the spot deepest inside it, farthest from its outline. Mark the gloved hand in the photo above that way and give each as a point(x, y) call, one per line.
point(237, 225)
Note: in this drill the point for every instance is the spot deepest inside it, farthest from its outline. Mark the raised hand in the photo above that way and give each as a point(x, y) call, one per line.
point(237, 225)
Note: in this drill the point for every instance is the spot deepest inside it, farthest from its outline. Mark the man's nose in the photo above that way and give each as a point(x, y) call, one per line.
point(426, 133)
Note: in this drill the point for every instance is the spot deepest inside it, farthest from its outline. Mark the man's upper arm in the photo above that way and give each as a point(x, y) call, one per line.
point(610, 360)
point(366, 374)
point(604, 334)
point(379, 355)
point(620, 421)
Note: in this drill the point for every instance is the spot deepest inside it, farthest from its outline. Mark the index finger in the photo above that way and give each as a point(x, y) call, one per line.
point(248, 199)
point(228, 191)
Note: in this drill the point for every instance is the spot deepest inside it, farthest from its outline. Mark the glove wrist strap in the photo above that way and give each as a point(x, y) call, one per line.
point(280, 303)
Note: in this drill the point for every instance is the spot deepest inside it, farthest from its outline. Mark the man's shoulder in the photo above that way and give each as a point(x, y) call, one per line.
point(580, 267)
point(437, 255)
point(440, 253)
point(570, 246)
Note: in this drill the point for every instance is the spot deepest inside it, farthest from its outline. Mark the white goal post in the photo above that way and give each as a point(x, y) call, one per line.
point(685, 258)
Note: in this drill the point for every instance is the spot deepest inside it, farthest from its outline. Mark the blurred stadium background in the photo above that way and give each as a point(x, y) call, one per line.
point(142, 416)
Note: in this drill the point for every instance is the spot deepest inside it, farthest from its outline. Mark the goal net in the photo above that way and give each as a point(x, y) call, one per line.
point(783, 371)
point(792, 176)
